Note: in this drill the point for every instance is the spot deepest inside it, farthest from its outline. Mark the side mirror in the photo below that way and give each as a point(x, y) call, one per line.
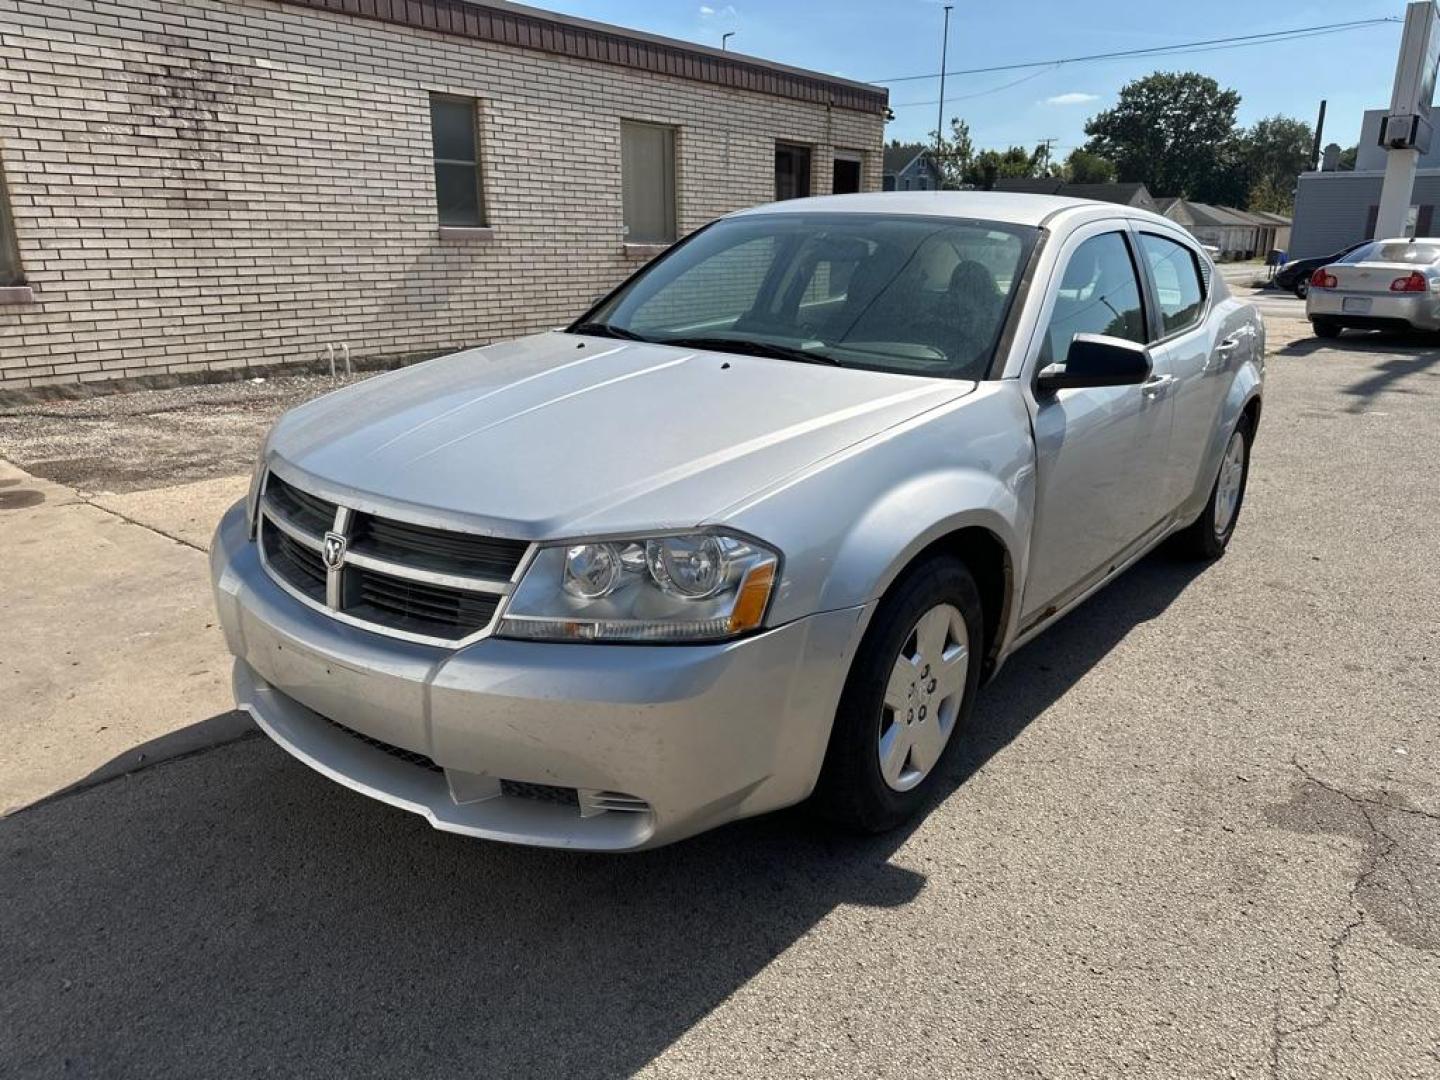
point(1096, 360)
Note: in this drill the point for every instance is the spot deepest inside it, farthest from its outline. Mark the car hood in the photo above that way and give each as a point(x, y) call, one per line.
point(561, 435)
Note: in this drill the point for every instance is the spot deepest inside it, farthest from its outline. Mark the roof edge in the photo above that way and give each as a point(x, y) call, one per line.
point(503, 23)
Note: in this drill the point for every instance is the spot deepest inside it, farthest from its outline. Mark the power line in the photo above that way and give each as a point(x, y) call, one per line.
point(1153, 50)
point(1168, 50)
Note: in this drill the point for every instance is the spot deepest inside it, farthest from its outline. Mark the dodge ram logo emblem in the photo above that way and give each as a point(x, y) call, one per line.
point(333, 551)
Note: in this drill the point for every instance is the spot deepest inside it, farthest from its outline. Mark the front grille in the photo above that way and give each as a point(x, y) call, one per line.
point(410, 757)
point(518, 789)
point(293, 561)
point(396, 576)
point(436, 549)
point(302, 509)
point(418, 607)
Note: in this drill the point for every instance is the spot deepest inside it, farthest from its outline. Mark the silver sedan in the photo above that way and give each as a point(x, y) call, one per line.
point(1384, 285)
point(754, 529)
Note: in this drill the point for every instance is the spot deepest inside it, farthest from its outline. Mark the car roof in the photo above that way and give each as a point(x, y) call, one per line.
point(1012, 208)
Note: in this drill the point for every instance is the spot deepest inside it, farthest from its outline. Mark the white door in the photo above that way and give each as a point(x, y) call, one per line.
point(1101, 452)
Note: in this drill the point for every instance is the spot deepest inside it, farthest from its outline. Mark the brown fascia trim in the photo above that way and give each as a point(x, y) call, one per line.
point(544, 31)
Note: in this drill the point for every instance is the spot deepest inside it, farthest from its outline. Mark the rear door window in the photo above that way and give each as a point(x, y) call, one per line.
point(1178, 285)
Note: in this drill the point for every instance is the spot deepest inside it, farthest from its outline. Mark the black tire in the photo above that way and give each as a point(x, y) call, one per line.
point(851, 790)
point(1326, 328)
point(1302, 289)
point(1200, 539)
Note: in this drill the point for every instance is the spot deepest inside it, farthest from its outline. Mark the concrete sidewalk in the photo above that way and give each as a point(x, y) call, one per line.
point(108, 641)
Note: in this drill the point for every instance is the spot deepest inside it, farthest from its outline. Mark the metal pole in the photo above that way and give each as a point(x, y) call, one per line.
point(725, 37)
point(944, 54)
point(1319, 132)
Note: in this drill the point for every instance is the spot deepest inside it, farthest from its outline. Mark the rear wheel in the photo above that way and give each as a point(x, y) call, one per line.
point(1302, 288)
point(909, 693)
point(1209, 535)
point(1326, 328)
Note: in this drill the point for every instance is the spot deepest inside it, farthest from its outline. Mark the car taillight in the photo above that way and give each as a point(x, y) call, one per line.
point(1412, 282)
point(1323, 279)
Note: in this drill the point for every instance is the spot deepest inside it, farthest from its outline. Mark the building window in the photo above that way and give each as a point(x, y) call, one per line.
point(455, 135)
point(9, 244)
point(792, 171)
point(846, 179)
point(647, 180)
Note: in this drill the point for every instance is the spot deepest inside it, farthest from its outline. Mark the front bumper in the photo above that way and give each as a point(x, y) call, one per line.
point(1418, 310)
point(603, 747)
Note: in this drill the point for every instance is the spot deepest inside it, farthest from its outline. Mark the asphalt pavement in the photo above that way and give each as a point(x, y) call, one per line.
point(1194, 832)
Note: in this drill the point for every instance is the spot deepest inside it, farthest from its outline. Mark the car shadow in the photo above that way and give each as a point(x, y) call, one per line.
point(1420, 357)
point(231, 913)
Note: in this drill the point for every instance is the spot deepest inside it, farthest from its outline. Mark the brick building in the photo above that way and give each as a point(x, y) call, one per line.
point(192, 187)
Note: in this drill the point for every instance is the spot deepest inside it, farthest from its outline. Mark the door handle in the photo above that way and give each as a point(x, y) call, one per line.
point(1228, 344)
point(1157, 385)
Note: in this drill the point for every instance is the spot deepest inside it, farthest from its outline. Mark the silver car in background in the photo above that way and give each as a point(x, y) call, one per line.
point(1383, 285)
point(754, 529)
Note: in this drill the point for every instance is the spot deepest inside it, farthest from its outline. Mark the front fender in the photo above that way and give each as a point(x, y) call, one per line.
point(898, 527)
point(849, 526)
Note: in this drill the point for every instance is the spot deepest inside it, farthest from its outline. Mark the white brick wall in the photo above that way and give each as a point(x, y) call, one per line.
point(202, 185)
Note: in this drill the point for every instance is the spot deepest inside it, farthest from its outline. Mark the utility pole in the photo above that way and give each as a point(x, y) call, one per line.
point(1045, 158)
point(1319, 131)
point(725, 37)
point(944, 57)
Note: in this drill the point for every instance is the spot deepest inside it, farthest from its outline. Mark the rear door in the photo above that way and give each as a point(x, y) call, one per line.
point(1196, 366)
point(1101, 452)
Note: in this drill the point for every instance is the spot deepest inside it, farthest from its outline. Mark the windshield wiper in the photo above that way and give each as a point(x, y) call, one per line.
point(751, 348)
point(600, 329)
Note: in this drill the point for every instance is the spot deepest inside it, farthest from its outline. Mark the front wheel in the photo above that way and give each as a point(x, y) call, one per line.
point(1302, 289)
point(909, 693)
point(1209, 535)
point(1326, 328)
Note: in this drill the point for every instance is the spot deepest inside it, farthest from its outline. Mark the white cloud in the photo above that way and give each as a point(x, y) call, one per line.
point(1075, 97)
point(726, 12)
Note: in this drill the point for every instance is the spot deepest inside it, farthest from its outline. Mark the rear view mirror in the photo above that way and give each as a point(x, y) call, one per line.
point(1096, 360)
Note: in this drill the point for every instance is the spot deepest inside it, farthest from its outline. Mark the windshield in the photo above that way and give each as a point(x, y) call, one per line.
point(924, 296)
point(1413, 254)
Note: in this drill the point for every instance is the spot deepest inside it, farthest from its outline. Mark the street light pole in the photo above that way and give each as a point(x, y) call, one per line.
point(944, 55)
point(725, 37)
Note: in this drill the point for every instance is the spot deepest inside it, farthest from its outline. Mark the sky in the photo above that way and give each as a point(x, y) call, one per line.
point(875, 40)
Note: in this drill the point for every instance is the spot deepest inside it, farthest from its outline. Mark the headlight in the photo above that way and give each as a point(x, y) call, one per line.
point(699, 586)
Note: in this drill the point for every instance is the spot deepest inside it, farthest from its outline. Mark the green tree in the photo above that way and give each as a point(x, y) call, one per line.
point(1275, 151)
point(1083, 167)
point(1014, 162)
point(953, 155)
point(1173, 131)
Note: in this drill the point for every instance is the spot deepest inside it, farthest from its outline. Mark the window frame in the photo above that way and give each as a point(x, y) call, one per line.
point(670, 184)
point(798, 149)
point(12, 270)
point(1156, 321)
point(1082, 235)
point(477, 166)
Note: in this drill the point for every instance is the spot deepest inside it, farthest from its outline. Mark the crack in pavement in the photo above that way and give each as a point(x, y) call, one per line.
point(1378, 847)
point(89, 500)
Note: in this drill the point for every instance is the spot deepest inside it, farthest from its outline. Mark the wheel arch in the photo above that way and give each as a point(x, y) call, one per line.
point(990, 563)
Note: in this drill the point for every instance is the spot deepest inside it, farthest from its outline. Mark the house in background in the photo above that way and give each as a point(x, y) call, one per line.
point(910, 168)
point(1131, 194)
point(1238, 234)
point(240, 183)
point(1335, 208)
